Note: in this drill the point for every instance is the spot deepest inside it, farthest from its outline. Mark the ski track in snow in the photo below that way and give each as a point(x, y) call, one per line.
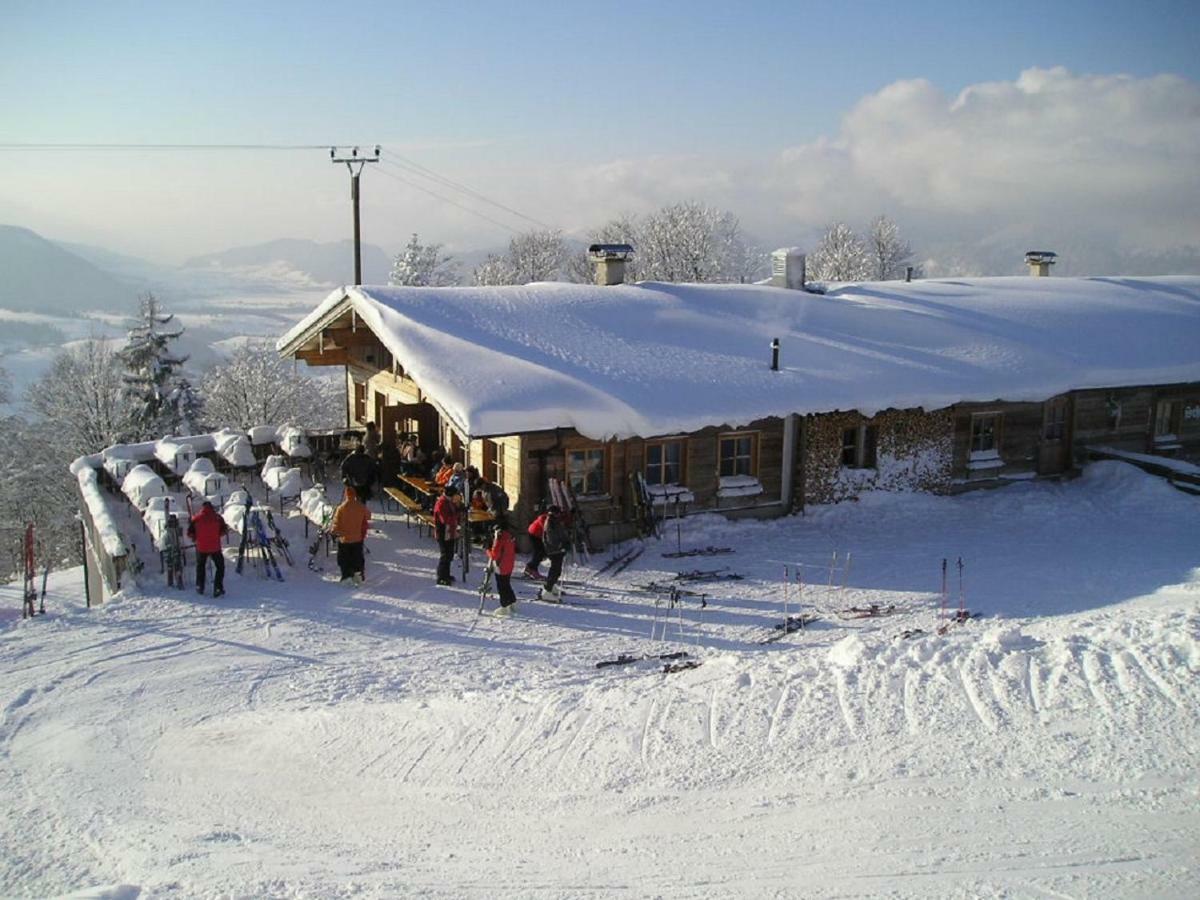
point(370, 742)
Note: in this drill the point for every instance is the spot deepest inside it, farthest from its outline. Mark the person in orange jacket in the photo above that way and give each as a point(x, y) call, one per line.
point(445, 526)
point(350, 521)
point(503, 556)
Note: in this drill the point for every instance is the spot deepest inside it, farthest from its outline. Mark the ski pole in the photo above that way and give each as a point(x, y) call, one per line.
point(962, 596)
point(942, 609)
point(786, 580)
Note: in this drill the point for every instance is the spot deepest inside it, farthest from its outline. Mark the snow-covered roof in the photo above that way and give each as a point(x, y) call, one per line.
point(650, 358)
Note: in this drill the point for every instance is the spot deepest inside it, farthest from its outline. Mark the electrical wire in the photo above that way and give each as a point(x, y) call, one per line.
point(33, 146)
point(445, 199)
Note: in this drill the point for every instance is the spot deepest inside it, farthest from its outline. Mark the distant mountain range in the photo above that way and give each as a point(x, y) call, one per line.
point(41, 276)
point(330, 264)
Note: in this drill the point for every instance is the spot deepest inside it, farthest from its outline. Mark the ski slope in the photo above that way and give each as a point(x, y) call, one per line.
point(310, 739)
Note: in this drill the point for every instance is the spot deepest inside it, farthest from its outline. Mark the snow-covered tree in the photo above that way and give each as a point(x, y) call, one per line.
point(686, 242)
point(255, 386)
point(152, 373)
point(532, 256)
point(423, 265)
point(840, 256)
point(889, 254)
point(81, 398)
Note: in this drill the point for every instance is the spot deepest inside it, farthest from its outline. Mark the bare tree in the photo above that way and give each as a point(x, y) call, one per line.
point(889, 254)
point(83, 398)
point(532, 256)
point(840, 256)
point(255, 386)
point(423, 265)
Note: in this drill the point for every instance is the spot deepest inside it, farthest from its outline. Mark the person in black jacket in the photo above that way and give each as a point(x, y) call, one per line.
point(359, 472)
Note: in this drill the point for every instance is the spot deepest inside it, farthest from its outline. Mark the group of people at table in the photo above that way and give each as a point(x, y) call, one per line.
point(446, 487)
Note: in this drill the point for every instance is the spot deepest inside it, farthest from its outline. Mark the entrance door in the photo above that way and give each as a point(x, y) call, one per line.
point(412, 418)
point(1054, 450)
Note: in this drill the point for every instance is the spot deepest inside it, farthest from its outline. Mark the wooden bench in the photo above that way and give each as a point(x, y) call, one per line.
point(412, 509)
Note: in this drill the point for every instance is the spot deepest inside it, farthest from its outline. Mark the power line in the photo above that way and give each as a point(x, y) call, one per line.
point(425, 172)
point(35, 146)
point(445, 199)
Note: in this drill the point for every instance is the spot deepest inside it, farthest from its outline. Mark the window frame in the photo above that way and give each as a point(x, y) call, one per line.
point(360, 401)
point(493, 461)
point(1167, 419)
point(997, 422)
point(863, 449)
point(663, 464)
point(580, 489)
point(751, 455)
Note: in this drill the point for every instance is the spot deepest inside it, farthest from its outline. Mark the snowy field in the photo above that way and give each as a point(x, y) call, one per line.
point(311, 740)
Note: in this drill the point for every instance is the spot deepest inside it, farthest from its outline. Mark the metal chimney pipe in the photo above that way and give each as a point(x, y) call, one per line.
point(775, 355)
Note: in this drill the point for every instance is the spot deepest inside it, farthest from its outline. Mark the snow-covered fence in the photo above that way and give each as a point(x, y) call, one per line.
point(104, 545)
point(176, 455)
point(141, 484)
point(204, 480)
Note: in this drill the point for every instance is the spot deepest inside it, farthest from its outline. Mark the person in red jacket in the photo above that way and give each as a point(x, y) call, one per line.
point(206, 530)
point(503, 556)
point(445, 526)
point(536, 529)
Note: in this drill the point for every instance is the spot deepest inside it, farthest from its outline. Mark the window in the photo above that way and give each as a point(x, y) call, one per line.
point(585, 471)
point(664, 463)
point(360, 401)
point(493, 462)
point(858, 447)
point(1165, 419)
point(985, 432)
point(380, 403)
point(1054, 420)
point(738, 454)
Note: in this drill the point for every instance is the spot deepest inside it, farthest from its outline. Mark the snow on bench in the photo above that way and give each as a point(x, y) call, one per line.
point(664, 494)
point(234, 512)
point(176, 454)
point(738, 486)
point(294, 442)
point(142, 484)
point(205, 481)
point(315, 507)
point(117, 466)
point(234, 447)
point(263, 434)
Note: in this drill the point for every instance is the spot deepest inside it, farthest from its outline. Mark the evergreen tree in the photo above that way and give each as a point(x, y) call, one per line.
point(152, 374)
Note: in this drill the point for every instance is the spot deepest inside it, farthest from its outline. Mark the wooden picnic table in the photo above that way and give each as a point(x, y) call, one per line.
point(423, 487)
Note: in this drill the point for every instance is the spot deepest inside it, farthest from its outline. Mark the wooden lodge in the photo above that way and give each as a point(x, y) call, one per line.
point(759, 465)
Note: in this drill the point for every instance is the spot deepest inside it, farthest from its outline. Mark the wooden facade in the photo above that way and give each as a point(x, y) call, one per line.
point(779, 464)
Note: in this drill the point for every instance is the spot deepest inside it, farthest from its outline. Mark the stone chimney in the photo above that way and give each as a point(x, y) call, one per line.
point(609, 260)
point(787, 268)
point(1040, 261)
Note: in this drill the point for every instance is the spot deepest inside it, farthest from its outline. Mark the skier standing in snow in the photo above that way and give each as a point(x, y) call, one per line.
point(555, 540)
point(503, 554)
point(536, 528)
point(358, 472)
point(206, 529)
point(349, 526)
point(445, 524)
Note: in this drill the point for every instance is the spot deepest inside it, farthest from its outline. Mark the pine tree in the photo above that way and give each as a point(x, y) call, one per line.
point(152, 374)
point(423, 265)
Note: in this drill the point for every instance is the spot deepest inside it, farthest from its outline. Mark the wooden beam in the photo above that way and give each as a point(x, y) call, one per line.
point(345, 337)
point(328, 358)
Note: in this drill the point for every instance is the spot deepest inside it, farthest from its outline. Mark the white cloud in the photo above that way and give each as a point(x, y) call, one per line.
point(1111, 160)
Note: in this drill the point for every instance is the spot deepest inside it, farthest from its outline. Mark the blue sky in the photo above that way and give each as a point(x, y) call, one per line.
point(493, 93)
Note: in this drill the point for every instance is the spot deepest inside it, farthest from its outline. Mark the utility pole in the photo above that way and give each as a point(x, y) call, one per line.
point(354, 163)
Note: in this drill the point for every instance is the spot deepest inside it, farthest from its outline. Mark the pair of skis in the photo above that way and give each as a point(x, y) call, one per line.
point(562, 496)
point(172, 549)
point(791, 623)
point(28, 610)
point(700, 551)
point(645, 518)
point(619, 562)
point(679, 661)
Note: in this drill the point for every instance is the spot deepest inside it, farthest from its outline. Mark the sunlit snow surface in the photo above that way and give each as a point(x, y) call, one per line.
point(652, 358)
point(309, 739)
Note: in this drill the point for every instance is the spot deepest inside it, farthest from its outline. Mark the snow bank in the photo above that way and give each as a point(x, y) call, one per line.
point(651, 359)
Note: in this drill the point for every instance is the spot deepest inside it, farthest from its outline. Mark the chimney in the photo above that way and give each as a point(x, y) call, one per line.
point(609, 260)
point(1040, 261)
point(787, 268)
